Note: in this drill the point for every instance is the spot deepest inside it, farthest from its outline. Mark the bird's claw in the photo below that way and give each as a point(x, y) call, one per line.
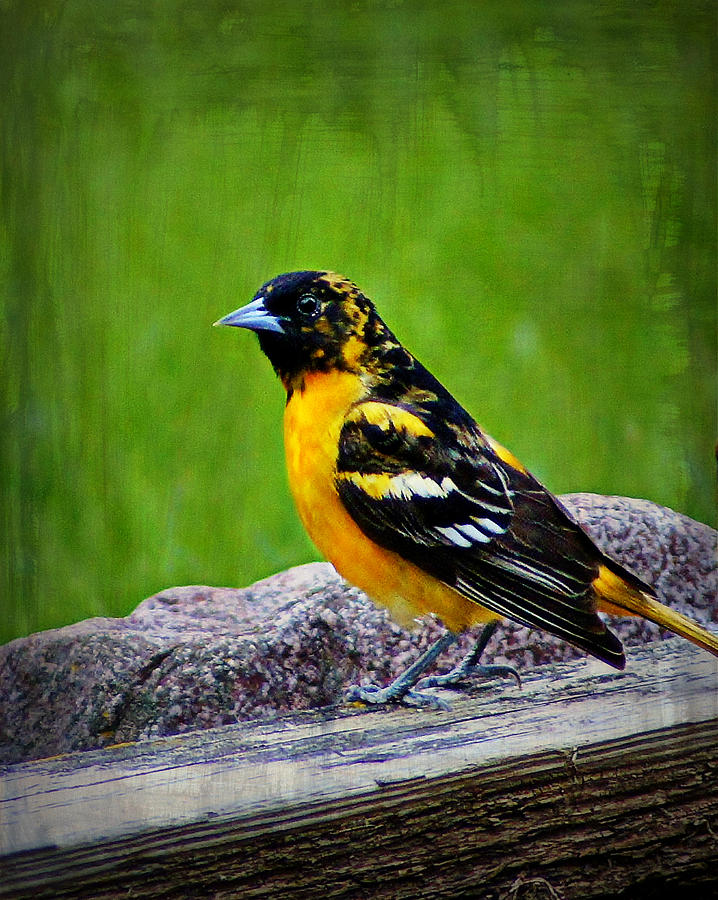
point(464, 673)
point(372, 695)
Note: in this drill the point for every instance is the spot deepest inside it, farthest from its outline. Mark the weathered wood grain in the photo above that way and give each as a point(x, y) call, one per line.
point(586, 782)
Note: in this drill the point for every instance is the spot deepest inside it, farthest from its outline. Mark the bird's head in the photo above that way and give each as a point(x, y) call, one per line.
point(312, 321)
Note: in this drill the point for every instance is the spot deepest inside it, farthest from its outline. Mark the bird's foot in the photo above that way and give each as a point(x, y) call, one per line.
point(401, 690)
point(466, 671)
point(371, 695)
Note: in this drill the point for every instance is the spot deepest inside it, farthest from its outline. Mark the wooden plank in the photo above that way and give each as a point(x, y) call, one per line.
point(582, 766)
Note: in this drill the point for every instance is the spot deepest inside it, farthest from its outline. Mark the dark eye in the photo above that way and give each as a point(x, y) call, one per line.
point(309, 306)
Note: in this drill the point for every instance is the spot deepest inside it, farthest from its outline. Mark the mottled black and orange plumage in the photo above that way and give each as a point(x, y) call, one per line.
point(410, 500)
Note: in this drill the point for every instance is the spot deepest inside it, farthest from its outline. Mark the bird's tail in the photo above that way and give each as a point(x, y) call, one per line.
point(622, 596)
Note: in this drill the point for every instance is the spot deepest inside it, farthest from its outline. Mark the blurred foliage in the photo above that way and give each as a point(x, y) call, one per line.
point(526, 190)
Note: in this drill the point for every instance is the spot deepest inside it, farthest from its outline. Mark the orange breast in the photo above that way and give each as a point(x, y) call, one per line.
point(312, 423)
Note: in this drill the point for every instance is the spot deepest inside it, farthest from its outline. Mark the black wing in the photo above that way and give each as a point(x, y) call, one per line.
point(441, 496)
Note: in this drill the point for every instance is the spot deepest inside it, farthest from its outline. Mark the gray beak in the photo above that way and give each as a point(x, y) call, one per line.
point(254, 316)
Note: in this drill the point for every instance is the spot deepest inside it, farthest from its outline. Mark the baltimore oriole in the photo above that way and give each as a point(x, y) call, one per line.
point(413, 503)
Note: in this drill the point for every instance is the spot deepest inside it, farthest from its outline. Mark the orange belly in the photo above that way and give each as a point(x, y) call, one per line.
point(312, 422)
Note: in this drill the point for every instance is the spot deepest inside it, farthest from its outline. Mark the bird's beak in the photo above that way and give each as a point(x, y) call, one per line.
point(254, 316)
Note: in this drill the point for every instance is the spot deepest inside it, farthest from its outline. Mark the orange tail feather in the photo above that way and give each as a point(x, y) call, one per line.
point(618, 597)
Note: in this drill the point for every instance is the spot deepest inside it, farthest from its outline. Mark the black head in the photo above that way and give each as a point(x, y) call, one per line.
point(312, 321)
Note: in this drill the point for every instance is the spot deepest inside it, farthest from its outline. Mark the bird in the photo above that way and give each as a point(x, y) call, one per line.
point(415, 504)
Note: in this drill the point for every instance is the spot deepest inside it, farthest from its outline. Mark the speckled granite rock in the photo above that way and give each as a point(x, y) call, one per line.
point(195, 657)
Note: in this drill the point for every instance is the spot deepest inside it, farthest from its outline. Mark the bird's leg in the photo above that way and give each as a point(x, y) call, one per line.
point(400, 690)
point(469, 667)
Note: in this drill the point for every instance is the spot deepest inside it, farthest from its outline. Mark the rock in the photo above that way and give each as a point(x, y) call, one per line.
point(196, 657)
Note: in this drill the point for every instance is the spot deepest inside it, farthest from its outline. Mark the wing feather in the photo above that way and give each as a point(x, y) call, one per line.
point(439, 495)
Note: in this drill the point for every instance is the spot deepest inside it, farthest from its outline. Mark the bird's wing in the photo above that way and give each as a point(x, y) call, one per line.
point(439, 495)
point(408, 488)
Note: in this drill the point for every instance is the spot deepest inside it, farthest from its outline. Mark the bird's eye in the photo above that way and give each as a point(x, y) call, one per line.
point(309, 306)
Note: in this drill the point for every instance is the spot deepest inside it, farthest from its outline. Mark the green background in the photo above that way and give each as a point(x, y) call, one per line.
point(527, 191)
